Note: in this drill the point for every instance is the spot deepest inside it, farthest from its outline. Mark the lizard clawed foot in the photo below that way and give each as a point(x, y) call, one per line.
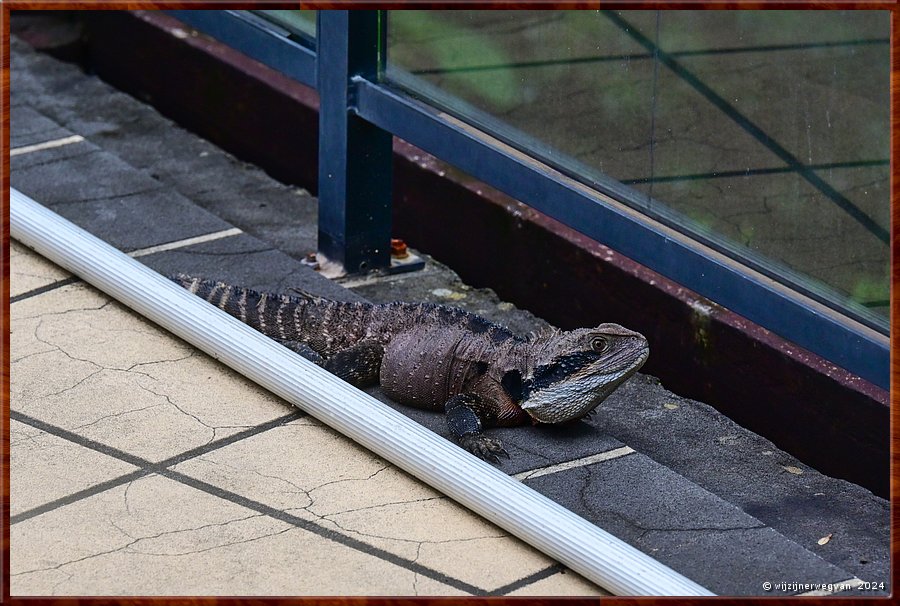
point(483, 447)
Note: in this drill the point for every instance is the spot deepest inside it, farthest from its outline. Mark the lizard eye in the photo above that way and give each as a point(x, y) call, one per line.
point(599, 344)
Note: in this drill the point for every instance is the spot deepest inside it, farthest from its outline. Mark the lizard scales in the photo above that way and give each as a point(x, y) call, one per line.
point(443, 358)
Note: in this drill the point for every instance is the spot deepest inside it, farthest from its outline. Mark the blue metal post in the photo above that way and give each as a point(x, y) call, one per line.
point(354, 156)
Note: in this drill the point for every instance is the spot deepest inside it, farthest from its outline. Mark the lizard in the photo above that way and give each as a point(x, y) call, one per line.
point(441, 358)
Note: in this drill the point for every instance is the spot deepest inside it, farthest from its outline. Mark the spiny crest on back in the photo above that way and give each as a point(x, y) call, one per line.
point(545, 333)
point(465, 320)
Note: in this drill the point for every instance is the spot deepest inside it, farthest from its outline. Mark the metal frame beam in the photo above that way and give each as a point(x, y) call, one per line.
point(355, 156)
point(359, 115)
point(255, 38)
point(810, 324)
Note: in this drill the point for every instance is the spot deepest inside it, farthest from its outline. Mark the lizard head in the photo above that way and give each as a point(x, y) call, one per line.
point(578, 369)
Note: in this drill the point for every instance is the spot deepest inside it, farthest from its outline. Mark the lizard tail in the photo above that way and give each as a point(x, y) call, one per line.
point(188, 282)
point(243, 303)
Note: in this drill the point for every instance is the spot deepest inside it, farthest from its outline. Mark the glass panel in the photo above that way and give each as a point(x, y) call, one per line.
point(764, 133)
point(301, 23)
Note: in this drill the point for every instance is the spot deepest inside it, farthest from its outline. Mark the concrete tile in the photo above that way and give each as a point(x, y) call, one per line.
point(434, 524)
point(305, 465)
point(316, 474)
point(103, 200)
point(59, 90)
point(529, 447)
point(656, 498)
point(238, 259)
point(216, 396)
point(281, 467)
point(43, 467)
point(23, 85)
point(679, 524)
point(237, 193)
point(159, 537)
point(28, 270)
point(476, 560)
point(141, 136)
point(83, 323)
point(83, 150)
point(83, 178)
point(141, 395)
point(29, 357)
point(565, 583)
point(138, 221)
point(748, 470)
point(195, 168)
point(27, 126)
point(761, 555)
point(108, 407)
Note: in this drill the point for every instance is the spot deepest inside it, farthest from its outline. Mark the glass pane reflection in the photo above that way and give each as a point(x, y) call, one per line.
point(764, 131)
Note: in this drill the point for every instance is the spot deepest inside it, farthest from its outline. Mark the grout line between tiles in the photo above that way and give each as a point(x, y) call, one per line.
point(28, 149)
point(146, 469)
point(566, 465)
point(326, 533)
point(218, 235)
point(322, 531)
point(42, 289)
point(65, 434)
point(540, 575)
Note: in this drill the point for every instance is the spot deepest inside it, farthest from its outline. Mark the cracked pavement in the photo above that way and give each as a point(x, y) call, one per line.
point(240, 516)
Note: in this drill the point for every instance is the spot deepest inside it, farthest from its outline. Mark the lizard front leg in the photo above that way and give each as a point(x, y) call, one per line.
point(302, 349)
point(467, 415)
point(359, 365)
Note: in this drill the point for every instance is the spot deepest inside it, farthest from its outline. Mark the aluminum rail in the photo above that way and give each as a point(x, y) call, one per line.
point(544, 524)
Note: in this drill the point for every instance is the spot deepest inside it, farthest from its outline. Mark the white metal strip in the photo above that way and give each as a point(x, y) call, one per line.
point(546, 525)
point(27, 149)
point(597, 458)
point(225, 233)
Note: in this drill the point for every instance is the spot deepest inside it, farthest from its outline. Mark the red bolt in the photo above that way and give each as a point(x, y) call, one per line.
point(398, 248)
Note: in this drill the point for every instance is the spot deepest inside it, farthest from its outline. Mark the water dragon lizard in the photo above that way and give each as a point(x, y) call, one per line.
point(440, 358)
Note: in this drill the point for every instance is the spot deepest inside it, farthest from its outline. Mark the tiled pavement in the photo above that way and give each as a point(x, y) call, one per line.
point(141, 466)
